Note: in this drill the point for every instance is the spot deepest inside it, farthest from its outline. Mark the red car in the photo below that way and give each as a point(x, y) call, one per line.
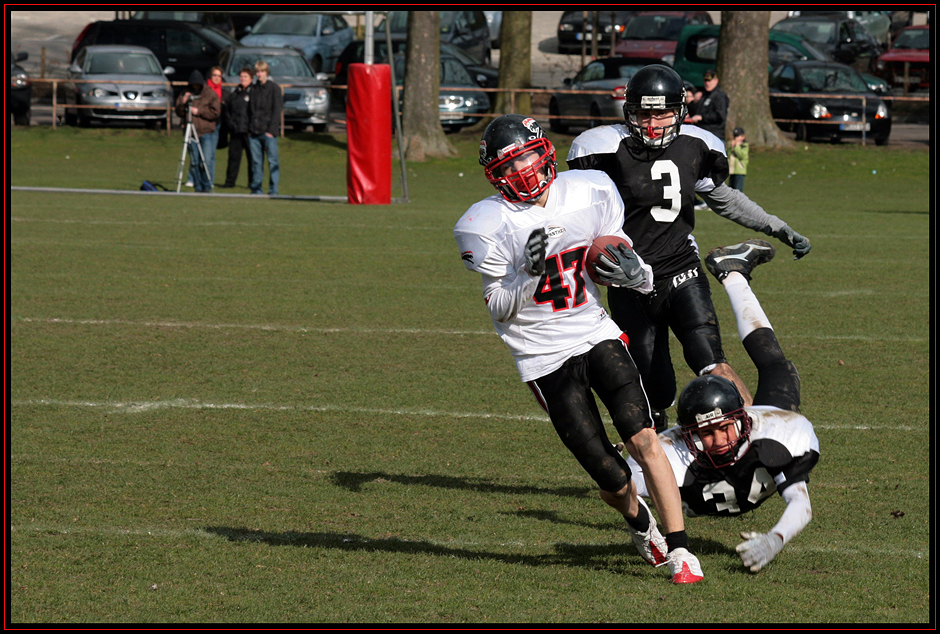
point(655, 33)
point(911, 47)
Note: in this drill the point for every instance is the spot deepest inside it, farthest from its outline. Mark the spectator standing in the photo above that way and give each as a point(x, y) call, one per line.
point(264, 116)
point(215, 83)
point(205, 107)
point(710, 111)
point(235, 114)
point(737, 159)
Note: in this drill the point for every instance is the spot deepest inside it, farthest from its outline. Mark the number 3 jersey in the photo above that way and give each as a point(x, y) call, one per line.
point(657, 186)
point(783, 450)
point(559, 315)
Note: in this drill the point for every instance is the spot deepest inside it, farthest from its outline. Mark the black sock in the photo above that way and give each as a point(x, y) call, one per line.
point(641, 522)
point(677, 540)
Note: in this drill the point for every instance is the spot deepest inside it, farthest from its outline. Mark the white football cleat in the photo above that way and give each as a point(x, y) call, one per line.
point(684, 566)
point(650, 544)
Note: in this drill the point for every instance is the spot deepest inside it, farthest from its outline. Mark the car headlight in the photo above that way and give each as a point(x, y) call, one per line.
point(99, 92)
point(452, 102)
point(565, 27)
point(19, 79)
point(316, 97)
point(882, 111)
point(819, 111)
point(158, 93)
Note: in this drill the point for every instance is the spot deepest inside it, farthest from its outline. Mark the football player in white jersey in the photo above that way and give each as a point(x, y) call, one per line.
point(529, 243)
point(728, 458)
point(658, 165)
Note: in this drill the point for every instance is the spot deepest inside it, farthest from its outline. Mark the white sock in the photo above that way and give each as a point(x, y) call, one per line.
point(747, 310)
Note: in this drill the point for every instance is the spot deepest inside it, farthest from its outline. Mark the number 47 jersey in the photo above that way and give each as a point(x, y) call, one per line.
point(783, 450)
point(560, 314)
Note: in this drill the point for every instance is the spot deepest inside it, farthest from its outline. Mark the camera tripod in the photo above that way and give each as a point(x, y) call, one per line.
point(190, 136)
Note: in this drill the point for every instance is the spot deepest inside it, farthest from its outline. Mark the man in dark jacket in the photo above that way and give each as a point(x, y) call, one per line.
point(264, 126)
point(235, 113)
point(203, 104)
point(710, 111)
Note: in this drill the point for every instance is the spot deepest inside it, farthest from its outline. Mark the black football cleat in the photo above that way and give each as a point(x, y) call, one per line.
point(741, 257)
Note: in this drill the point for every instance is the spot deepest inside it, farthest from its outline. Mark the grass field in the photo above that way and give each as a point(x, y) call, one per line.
point(234, 410)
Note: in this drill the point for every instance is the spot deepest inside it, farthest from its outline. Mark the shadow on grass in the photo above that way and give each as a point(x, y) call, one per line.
point(620, 558)
point(354, 482)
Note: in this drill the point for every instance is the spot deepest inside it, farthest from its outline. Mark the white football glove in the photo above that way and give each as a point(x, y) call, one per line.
point(759, 549)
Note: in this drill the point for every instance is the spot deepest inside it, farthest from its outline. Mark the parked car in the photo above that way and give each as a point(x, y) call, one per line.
point(878, 23)
point(321, 37)
point(460, 101)
point(184, 46)
point(485, 76)
point(467, 30)
point(697, 51)
point(843, 39)
point(494, 21)
point(19, 90)
point(577, 99)
point(655, 33)
point(306, 96)
point(126, 82)
point(836, 117)
point(234, 23)
point(910, 53)
point(573, 30)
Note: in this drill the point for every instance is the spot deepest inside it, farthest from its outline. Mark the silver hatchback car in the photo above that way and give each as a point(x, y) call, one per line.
point(117, 83)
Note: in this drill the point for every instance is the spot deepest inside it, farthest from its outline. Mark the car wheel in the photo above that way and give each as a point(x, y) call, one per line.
point(21, 119)
point(881, 140)
point(555, 124)
point(317, 64)
point(802, 134)
point(319, 127)
point(70, 118)
point(595, 119)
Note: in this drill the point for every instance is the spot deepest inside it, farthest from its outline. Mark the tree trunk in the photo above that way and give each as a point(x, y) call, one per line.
point(515, 63)
point(742, 71)
point(421, 118)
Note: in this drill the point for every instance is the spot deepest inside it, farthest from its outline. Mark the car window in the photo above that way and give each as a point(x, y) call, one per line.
point(453, 73)
point(833, 80)
point(780, 52)
point(79, 59)
point(653, 27)
point(105, 63)
point(913, 39)
point(702, 48)
point(125, 34)
point(286, 24)
point(783, 79)
point(219, 39)
point(280, 65)
point(591, 72)
point(183, 42)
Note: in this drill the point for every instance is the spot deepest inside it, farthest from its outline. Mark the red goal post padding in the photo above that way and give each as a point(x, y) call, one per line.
point(369, 134)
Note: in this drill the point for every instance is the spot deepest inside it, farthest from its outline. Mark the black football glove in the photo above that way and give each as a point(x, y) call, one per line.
point(620, 268)
point(535, 253)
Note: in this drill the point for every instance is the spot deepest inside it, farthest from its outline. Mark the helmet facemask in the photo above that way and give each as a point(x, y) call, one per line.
point(530, 182)
point(723, 455)
point(655, 136)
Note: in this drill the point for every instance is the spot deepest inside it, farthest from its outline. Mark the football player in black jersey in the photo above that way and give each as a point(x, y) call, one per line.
point(729, 458)
point(659, 165)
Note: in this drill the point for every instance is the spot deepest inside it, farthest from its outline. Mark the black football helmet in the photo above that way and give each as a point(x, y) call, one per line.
point(707, 402)
point(507, 138)
point(655, 87)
